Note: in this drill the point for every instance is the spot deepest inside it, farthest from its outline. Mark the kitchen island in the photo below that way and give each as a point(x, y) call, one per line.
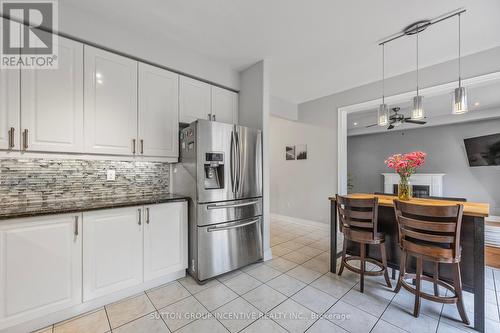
point(471, 240)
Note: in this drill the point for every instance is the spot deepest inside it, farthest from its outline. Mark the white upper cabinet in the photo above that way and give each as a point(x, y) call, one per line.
point(112, 250)
point(158, 112)
point(9, 106)
point(110, 103)
point(165, 239)
point(40, 267)
point(194, 100)
point(224, 105)
point(52, 102)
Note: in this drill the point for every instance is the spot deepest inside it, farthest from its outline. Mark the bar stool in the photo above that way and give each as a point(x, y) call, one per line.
point(358, 223)
point(430, 233)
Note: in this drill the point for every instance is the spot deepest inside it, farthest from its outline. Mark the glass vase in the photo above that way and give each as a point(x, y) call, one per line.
point(405, 190)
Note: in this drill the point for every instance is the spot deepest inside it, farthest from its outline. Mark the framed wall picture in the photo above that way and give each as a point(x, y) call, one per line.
point(290, 153)
point(301, 152)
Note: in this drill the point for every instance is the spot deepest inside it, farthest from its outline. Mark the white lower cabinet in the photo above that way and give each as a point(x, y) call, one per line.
point(56, 262)
point(40, 266)
point(112, 250)
point(165, 239)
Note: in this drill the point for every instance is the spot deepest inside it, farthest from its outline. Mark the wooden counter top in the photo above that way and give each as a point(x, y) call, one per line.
point(470, 208)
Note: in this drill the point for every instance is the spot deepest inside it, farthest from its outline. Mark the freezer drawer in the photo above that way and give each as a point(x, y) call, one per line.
point(228, 246)
point(220, 212)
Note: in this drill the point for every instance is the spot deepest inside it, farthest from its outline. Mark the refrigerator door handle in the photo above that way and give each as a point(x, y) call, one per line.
point(211, 229)
point(232, 162)
point(215, 206)
point(238, 158)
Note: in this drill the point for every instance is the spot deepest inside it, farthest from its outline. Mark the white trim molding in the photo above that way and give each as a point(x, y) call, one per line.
point(300, 221)
point(394, 99)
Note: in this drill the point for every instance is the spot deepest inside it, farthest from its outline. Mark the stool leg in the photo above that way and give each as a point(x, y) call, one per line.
point(363, 255)
point(435, 278)
point(342, 261)
point(384, 262)
point(457, 283)
point(402, 271)
point(418, 281)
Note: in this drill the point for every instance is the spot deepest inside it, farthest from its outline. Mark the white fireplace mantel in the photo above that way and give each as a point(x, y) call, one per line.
point(433, 180)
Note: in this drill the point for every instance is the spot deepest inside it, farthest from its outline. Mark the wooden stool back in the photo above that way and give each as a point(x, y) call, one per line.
point(358, 213)
point(431, 231)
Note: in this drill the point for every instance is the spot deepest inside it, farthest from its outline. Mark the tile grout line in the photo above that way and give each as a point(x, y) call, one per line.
point(107, 317)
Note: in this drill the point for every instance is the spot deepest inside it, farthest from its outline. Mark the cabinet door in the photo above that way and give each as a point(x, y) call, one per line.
point(165, 239)
point(9, 105)
point(40, 267)
point(158, 112)
point(194, 100)
point(52, 102)
point(225, 105)
point(112, 250)
point(110, 99)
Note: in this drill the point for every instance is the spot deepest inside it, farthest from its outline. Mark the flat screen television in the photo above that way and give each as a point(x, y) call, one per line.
point(483, 150)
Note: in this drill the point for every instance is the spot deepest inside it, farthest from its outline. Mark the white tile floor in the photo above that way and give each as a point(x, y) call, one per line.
point(293, 292)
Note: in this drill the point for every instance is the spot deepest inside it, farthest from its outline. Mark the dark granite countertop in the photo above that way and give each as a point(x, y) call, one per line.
point(30, 209)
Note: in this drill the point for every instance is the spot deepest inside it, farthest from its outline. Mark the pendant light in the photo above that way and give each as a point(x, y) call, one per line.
point(460, 105)
point(417, 111)
point(383, 111)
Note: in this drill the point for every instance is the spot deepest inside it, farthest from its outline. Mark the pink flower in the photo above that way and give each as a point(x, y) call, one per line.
point(406, 164)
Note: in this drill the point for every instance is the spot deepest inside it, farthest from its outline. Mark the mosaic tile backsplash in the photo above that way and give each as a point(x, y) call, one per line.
point(26, 181)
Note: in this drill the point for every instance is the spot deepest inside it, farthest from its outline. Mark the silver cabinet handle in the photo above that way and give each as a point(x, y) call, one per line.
point(142, 146)
point(11, 137)
point(211, 229)
point(133, 146)
point(209, 116)
point(213, 117)
point(76, 225)
point(25, 139)
point(140, 218)
point(147, 215)
point(210, 207)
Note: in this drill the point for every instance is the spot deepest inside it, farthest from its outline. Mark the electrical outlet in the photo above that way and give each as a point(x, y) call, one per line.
point(110, 175)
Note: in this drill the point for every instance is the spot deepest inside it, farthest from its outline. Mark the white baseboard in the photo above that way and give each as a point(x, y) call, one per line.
point(91, 305)
point(268, 254)
point(300, 221)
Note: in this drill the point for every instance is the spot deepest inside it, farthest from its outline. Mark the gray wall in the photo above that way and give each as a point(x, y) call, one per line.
point(322, 112)
point(446, 154)
point(290, 195)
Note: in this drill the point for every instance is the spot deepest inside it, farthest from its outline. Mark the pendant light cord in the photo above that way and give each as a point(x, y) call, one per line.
point(383, 73)
point(417, 61)
point(459, 53)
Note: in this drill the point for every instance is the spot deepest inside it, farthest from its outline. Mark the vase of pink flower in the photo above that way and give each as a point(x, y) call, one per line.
point(406, 165)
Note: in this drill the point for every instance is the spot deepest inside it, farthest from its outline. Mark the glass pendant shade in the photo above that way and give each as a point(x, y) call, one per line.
point(383, 115)
point(460, 104)
point(417, 111)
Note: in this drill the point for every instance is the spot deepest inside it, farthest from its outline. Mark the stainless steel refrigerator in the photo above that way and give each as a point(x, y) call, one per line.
point(220, 169)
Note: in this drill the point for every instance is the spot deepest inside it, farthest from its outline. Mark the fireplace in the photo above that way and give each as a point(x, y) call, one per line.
point(424, 184)
point(419, 191)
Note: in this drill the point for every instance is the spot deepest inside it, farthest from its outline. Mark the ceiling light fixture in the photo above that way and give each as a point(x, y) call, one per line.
point(476, 104)
point(383, 111)
point(417, 111)
point(460, 105)
point(355, 124)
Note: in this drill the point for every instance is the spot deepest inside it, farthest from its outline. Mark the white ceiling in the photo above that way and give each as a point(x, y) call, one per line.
point(315, 47)
point(484, 103)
